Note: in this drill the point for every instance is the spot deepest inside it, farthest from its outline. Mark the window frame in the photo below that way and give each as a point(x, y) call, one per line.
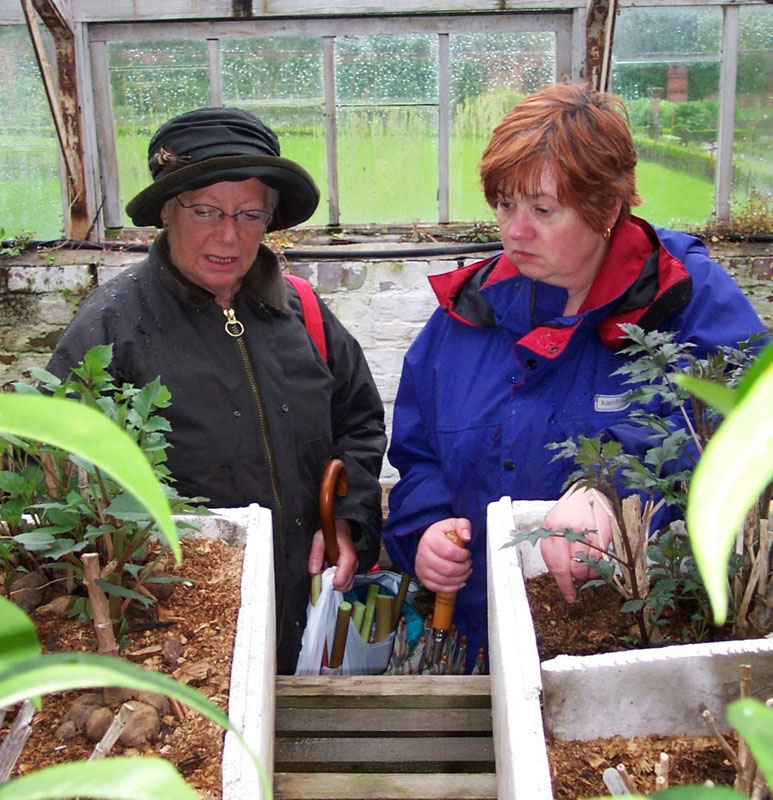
point(561, 24)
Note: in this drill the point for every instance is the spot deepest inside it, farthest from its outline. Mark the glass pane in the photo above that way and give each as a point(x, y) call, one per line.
point(753, 146)
point(280, 80)
point(31, 199)
point(150, 83)
point(666, 67)
point(387, 127)
point(490, 72)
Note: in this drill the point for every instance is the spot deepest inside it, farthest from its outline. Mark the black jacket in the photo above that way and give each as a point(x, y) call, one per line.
point(254, 419)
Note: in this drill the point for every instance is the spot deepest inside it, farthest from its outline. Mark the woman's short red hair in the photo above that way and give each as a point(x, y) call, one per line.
point(582, 136)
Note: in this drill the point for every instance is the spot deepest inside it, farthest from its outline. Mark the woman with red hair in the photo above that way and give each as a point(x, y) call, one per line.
point(524, 347)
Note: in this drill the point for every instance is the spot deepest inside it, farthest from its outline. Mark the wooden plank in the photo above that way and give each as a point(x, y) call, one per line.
point(427, 721)
point(374, 786)
point(117, 10)
point(329, 26)
point(404, 690)
point(384, 754)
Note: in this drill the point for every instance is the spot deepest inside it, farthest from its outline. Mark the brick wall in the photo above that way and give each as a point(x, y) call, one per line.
point(383, 303)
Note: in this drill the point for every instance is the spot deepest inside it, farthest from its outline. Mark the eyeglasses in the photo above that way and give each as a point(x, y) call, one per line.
point(250, 219)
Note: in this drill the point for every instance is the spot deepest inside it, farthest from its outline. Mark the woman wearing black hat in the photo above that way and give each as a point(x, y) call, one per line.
point(257, 410)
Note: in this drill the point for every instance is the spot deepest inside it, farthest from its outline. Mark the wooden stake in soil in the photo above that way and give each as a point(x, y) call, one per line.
point(100, 610)
point(626, 778)
point(661, 772)
point(120, 720)
point(744, 779)
point(17, 737)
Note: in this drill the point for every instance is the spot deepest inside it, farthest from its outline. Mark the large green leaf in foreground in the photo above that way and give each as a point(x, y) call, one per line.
point(754, 721)
point(86, 432)
point(59, 672)
point(734, 469)
point(18, 639)
point(111, 779)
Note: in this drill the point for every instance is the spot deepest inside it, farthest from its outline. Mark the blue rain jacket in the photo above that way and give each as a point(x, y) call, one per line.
point(498, 373)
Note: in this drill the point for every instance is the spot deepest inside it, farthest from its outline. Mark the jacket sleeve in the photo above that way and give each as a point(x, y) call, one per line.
point(359, 437)
point(422, 495)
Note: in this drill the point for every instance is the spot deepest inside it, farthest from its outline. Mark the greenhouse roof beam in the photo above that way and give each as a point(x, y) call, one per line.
point(62, 95)
point(599, 33)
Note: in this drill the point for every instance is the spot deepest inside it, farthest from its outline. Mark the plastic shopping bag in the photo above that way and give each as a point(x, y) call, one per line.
point(320, 621)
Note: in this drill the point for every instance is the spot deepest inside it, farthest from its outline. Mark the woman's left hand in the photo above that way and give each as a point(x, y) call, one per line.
point(578, 509)
point(347, 560)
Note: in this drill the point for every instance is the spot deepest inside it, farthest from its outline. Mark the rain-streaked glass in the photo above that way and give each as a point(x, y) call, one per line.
point(489, 73)
point(31, 199)
point(753, 143)
point(150, 83)
point(281, 80)
point(666, 67)
point(387, 127)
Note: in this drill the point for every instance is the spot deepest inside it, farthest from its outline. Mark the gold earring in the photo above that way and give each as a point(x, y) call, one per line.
point(607, 233)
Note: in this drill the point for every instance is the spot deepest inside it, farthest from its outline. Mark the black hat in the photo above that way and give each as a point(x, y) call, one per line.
point(209, 145)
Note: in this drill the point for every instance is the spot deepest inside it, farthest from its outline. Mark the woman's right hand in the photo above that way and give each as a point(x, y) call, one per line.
point(441, 565)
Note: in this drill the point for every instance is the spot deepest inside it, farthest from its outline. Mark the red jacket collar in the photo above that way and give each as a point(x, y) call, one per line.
point(638, 272)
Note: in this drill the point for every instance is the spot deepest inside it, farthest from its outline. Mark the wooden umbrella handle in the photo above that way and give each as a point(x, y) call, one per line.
point(445, 601)
point(334, 481)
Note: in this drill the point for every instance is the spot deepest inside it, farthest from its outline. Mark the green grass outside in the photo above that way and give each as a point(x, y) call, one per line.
point(383, 178)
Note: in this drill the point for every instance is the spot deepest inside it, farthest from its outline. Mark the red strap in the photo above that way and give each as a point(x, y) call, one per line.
point(312, 316)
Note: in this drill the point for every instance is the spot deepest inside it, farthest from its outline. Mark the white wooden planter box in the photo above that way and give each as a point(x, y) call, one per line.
point(633, 693)
point(251, 703)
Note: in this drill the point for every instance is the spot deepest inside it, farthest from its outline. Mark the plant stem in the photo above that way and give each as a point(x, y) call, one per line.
point(100, 611)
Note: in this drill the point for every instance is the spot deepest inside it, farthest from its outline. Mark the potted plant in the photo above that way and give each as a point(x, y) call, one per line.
point(583, 697)
point(99, 445)
point(25, 673)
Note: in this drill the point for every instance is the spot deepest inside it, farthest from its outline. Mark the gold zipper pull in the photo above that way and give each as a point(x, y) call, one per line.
point(232, 325)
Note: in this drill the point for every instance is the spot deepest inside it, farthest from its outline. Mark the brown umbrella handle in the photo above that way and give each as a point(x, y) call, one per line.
point(444, 601)
point(334, 481)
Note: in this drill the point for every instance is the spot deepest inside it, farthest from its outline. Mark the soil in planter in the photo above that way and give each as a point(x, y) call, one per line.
point(576, 768)
point(201, 616)
point(594, 624)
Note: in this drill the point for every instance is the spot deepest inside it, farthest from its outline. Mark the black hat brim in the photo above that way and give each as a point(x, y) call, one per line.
point(298, 193)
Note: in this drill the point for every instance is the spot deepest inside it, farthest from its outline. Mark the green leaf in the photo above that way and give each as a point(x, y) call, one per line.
point(59, 672)
point(18, 639)
point(63, 546)
point(736, 466)
point(89, 434)
point(754, 721)
point(121, 591)
point(721, 398)
point(755, 369)
point(686, 793)
point(126, 508)
point(123, 778)
point(34, 540)
point(12, 482)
